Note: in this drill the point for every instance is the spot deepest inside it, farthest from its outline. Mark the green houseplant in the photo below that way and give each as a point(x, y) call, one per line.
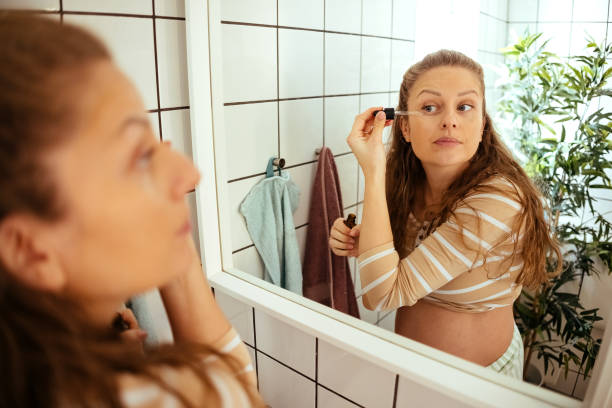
point(563, 138)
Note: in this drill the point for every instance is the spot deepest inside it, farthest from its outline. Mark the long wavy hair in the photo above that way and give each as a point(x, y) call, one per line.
point(405, 180)
point(50, 354)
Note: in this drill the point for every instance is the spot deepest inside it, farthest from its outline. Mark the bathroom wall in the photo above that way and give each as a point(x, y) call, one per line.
point(566, 23)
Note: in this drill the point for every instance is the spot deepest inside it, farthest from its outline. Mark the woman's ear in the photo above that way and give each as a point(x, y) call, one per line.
point(27, 256)
point(405, 128)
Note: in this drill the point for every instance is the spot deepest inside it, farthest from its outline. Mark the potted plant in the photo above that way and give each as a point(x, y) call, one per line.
point(563, 140)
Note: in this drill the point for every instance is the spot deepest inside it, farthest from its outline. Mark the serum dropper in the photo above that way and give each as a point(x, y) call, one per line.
point(391, 113)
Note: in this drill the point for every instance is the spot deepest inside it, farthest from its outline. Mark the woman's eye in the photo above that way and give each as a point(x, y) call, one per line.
point(429, 108)
point(465, 107)
point(145, 158)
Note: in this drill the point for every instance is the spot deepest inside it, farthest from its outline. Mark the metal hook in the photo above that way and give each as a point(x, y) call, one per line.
point(280, 163)
point(318, 151)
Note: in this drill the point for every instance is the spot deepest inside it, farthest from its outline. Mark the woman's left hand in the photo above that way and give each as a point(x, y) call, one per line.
point(365, 140)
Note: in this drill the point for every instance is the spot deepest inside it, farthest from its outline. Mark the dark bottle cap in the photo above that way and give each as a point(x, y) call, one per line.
point(350, 220)
point(389, 113)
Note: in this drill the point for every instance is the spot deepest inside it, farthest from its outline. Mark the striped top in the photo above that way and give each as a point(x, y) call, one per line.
point(137, 392)
point(465, 265)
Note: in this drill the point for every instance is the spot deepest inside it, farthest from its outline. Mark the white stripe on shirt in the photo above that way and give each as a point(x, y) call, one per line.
point(471, 236)
point(486, 216)
point(435, 262)
point(140, 395)
point(231, 345)
point(376, 257)
point(377, 281)
point(472, 288)
point(498, 197)
point(451, 248)
point(422, 281)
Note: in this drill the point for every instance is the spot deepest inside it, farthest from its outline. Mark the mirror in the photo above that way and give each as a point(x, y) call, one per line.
point(295, 74)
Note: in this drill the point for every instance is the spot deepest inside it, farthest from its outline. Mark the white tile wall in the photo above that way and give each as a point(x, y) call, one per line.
point(357, 379)
point(172, 67)
point(410, 394)
point(131, 43)
point(46, 5)
point(342, 59)
point(404, 16)
point(259, 12)
point(377, 17)
point(239, 315)
point(340, 113)
point(328, 399)
point(254, 128)
point(298, 13)
point(170, 8)
point(285, 343)
point(555, 10)
point(109, 6)
point(282, 387)
point(343, 15)
point(300, 63)
point(522, 10)
point(375, 64)
point(301, 129)
point(249, 63)
point(591, 10)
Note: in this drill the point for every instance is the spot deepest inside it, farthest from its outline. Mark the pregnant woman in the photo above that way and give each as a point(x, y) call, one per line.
point(452, 227)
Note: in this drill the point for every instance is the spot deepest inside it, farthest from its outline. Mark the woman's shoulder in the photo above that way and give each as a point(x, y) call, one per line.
point(221, 388)
point(496, 193)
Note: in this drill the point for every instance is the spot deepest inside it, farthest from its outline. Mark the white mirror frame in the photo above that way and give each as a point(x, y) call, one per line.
point(449, 375)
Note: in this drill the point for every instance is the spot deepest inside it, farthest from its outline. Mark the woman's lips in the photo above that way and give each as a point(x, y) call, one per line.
point(447, 141)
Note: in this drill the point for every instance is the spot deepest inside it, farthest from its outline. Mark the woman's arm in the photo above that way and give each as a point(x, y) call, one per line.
point(368, 147)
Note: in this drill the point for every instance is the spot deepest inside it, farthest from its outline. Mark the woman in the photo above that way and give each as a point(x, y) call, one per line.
point(93, 212)
point(452, 227)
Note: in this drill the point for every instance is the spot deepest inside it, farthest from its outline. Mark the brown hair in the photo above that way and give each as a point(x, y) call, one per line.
point(49, 353)
point(406, 177)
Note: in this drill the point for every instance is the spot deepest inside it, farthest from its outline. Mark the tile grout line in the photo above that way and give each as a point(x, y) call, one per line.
point(395, 391)
point(278, 135)
point(316, 372)
point(255, 347)
point(341, 396)
point(303, 97)
point(103, 14)
point(156, 70)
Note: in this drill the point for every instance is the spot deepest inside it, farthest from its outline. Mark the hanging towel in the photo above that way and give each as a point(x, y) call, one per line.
point(268, 211)
point(327, 277)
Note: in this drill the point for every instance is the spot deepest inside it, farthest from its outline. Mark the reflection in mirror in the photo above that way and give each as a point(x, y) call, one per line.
point(452, 245)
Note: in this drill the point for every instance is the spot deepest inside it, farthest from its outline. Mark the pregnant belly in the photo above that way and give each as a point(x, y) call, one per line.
point(477, 337)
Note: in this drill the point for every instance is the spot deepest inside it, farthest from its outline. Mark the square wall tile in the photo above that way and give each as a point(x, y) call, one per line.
point(411, 394)
point(372, 100)
point(375, 64)
point(249, 261)
point(300, 63)
point(340, 112)
point(555, 11)
point(328, 399)
point(176, 128)
point(249, 63)
point(170, 8)
point(285, 343)
point(359, 380)
point(402, 57)
point(130, 40)
point(260, 12)
point(251, 137)
point(347, 173)
point(522, 10)
point(343, 15)
point(559, 35)
point(298, 13)
point(301, 130)
point(342, 59)
point(404, 19)
point(237, 192)
point(281, 387)
point(591, 11)
point(172, 63)
point(303, 176)
point(110, 6)
point(377, 17)
point(239, 314)
point(580, 32)
point(47, 5)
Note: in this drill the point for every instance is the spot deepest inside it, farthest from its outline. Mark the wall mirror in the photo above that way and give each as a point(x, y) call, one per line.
point(288, 78)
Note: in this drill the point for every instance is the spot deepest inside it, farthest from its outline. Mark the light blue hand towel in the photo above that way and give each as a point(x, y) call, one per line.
point(268, 211)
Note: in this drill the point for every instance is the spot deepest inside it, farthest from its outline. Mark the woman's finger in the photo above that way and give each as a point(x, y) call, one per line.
point(129, 318)
point(364, 119)
point(340, 236)
point(334, 243)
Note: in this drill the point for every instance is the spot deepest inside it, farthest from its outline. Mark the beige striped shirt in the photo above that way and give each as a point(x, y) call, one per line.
point(466, 264)
point(137, 392)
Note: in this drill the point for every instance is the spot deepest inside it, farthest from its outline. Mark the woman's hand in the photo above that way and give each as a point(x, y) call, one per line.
point(343, 240)
point(365, 140)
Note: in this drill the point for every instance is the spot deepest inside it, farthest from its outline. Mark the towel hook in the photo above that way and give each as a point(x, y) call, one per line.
point(318, 151)
point(280, 162)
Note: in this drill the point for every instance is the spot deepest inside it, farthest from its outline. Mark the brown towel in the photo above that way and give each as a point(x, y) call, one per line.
point(326, 277)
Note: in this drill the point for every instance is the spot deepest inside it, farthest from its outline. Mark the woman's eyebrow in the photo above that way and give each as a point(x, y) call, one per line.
point(439, 94)
point(132, 120)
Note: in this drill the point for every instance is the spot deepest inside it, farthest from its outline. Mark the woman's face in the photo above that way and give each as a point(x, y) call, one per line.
point(126, 225)
point(449, 129)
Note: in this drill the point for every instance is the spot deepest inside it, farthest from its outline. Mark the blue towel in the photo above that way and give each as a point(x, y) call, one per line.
point(268, 211)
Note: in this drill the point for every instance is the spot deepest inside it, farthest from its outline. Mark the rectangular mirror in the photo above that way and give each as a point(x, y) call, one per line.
point(291, 77)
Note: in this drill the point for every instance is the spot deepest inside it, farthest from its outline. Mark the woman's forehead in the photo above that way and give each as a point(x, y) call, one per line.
point(448, 79)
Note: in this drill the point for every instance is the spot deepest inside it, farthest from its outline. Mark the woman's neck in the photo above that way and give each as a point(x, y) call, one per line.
point(438, 180)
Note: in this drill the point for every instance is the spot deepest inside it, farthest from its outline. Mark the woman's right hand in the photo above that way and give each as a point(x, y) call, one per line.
point(343, 241)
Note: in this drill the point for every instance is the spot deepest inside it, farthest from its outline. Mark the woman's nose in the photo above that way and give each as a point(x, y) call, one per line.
point(449, 121)
point(186, 177)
